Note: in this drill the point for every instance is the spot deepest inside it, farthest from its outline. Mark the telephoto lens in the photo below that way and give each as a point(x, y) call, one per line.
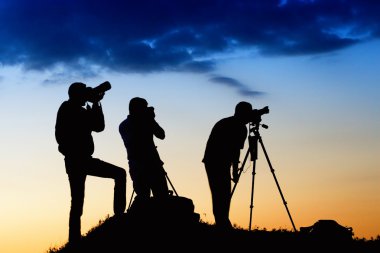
point(96, 94)
point(103, 87)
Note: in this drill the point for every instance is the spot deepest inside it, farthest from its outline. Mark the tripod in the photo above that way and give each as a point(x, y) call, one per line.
point(171, 192)
point(253, 139)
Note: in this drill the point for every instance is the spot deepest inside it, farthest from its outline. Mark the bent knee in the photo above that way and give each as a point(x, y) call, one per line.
point(121, 173)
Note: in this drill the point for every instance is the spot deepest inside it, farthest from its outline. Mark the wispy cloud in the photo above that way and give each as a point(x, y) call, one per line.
point(243, 89)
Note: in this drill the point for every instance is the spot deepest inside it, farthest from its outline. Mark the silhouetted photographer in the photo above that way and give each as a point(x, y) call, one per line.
point(145, 165)
point(73, 131)
point(223, 152)
point(254, 139)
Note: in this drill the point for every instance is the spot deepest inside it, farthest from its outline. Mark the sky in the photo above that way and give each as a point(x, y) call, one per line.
point(315, 64)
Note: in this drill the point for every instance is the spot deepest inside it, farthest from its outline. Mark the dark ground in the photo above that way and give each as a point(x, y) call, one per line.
point(123, 235)
point(174, 227)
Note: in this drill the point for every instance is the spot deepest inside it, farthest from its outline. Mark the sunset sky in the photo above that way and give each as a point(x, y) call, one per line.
point(314, 63)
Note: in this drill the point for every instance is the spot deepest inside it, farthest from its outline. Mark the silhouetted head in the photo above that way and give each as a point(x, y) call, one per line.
point(243, 111)
point(137, 106)
point(78, 93)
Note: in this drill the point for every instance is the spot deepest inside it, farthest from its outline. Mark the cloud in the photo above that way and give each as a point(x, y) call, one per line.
point(243, 89)
point(153, 36)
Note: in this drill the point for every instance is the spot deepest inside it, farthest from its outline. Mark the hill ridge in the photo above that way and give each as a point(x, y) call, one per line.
point(154, 227)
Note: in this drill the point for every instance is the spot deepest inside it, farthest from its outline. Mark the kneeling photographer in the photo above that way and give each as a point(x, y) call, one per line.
point(222, 152)
point(73, 132)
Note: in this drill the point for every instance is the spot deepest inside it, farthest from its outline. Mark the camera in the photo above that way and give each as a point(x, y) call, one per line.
point(96, 94)
point(257, 113)
point(150, 112)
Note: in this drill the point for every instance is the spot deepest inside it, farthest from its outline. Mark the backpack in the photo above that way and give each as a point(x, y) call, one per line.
point(328, 230)
point(171, 212)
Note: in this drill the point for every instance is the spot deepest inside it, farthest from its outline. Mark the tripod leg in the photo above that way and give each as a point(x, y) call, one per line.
point(278, 185)
point(240, 171)
point(253, 182)
point(166, 175)
point(130, 201)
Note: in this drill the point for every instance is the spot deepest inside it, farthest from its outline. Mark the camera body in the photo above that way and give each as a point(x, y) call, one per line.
point(150, 112)
point(257, 113)
point(96, 94)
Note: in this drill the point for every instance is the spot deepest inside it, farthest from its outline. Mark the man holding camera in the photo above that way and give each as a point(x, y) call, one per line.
point(73, 133)
point(223, 151)
point(145, 166)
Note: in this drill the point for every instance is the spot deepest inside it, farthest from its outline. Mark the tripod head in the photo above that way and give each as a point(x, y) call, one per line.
point(253, 138)
point(254, 128)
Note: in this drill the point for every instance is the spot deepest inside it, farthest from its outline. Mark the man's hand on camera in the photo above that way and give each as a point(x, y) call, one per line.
point(100, 96)
point(96, 98)
point(150, 112)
